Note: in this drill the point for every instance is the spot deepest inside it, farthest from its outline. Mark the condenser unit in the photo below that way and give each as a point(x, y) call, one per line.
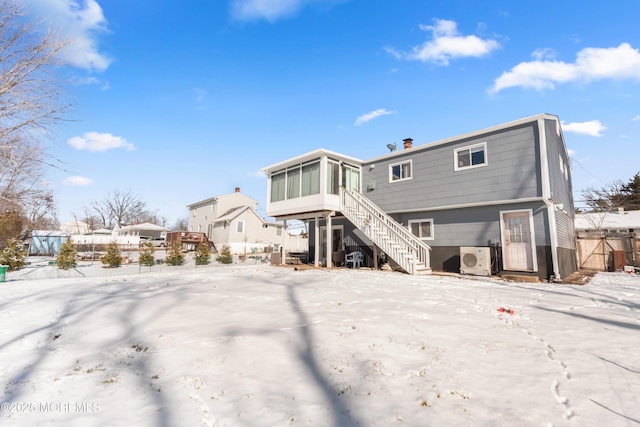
point(475, 260)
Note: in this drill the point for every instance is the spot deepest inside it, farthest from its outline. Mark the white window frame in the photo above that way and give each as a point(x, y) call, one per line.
point(278, 231)
point(410, 162)
point(240, 226)
point(469, 148)
point(431, 227)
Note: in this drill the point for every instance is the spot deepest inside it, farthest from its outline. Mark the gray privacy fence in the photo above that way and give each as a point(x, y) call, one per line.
point(46, 270)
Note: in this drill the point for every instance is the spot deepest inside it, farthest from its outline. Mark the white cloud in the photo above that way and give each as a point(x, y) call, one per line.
point(78, 181)
point(622, 62)
point(372, 115)
point(544, 53)
point(447, 44)
point(95, 141)
point(636, 118)
point(591, 128)
point(270, 10)
point(80, 21)
point(571, 152)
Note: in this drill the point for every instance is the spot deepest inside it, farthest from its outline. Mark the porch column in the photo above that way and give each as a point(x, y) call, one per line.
point(329, 241)
point(375, 256)
point(285, 237)
point(316, 238)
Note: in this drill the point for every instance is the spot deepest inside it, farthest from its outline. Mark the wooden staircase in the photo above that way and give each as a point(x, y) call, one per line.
point(409, 252)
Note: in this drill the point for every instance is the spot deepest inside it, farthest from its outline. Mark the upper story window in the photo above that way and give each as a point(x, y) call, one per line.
point(311, 179)
point(422, 228)
point(470, 157)
point(295, 181)
point(400, 171)
point(277, 186)
point(333, 177)
point(278, 231)
point(240, 226)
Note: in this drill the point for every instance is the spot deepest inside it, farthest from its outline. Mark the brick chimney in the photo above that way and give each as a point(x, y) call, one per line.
point(237, 189)
point(408, 143)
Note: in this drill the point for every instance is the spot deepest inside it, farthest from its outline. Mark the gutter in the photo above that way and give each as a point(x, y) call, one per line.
point(548, 201)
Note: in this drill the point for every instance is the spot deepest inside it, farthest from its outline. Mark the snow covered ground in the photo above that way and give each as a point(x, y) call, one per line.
point(256, 345)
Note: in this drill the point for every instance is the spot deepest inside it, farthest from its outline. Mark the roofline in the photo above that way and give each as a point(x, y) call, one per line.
point(320, 152)
point(211, 199)
point(476, 133)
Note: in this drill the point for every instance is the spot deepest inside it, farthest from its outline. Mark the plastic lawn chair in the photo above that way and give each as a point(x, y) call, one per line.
point(355, 258)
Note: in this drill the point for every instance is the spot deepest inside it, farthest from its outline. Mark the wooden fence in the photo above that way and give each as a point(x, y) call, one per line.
point(600, 251)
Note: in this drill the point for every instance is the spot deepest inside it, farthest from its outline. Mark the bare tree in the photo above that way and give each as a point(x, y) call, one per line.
point(615, 195)
point(31, 103)
point(120, 208)
point(181, 224)
point(40, 210)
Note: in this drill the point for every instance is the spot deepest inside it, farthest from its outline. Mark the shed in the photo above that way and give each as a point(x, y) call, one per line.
point(47, 242)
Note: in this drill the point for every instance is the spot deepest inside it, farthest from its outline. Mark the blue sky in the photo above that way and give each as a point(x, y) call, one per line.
point(181, 101)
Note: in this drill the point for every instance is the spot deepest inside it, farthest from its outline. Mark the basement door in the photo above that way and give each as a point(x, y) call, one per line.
point(336, 242)
point(518, 242)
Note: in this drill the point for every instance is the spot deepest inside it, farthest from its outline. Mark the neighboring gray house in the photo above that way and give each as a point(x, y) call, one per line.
point(505, 190)
point(232, 219)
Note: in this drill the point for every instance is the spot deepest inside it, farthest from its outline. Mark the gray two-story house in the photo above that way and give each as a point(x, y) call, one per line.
point(504, 191)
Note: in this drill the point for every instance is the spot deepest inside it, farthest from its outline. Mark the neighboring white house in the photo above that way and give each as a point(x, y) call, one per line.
point(75, 227)
point(145, 229)
point(619, 221)
point(232, 219)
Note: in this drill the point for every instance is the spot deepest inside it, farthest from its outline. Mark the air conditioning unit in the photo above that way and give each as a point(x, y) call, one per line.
point(475, 260)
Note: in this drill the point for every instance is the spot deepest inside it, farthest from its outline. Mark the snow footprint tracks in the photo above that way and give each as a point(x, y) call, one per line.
point(193, 384)
point(550, 354)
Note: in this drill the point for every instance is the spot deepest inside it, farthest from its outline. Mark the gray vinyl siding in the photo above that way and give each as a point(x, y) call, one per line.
point(476, 226)
point(560, 185)
point(513, 159)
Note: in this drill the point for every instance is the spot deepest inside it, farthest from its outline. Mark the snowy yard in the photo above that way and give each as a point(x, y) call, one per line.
point(256, 345)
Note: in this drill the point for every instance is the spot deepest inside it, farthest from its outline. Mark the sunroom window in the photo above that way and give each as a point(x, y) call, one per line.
point(277, 186)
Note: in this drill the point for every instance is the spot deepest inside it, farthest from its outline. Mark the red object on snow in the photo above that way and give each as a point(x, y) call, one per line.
point(501, 310)
point(511, 312)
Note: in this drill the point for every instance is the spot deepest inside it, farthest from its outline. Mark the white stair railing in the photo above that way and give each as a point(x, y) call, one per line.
point(411, 253)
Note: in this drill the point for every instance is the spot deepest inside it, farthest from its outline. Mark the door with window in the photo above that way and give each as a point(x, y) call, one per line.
point(351, 178)
point(518, 240)
point(336, 242)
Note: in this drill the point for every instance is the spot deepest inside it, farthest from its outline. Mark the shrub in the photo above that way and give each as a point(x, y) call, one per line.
point(225, 256)
point(113, 257)
point(175, 256)
point(67, 257)
point(203, 254)
point(13, 255)
point(147, 255)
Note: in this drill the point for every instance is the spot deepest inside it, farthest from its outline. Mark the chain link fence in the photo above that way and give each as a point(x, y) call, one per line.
point(43, 269)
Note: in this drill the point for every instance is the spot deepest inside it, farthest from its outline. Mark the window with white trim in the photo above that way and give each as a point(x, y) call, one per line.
point(469, 157)
point(240, 226)
point(421, 228)
point(295, 181)
point(278, 231)
point(400, 171)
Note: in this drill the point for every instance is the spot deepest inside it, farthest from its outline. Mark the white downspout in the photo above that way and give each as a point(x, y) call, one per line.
point(546, 196)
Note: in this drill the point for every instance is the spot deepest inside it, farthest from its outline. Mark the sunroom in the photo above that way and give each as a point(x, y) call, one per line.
point(307, 187)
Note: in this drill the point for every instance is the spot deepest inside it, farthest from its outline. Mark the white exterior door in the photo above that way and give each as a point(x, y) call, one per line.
point(518, 241)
